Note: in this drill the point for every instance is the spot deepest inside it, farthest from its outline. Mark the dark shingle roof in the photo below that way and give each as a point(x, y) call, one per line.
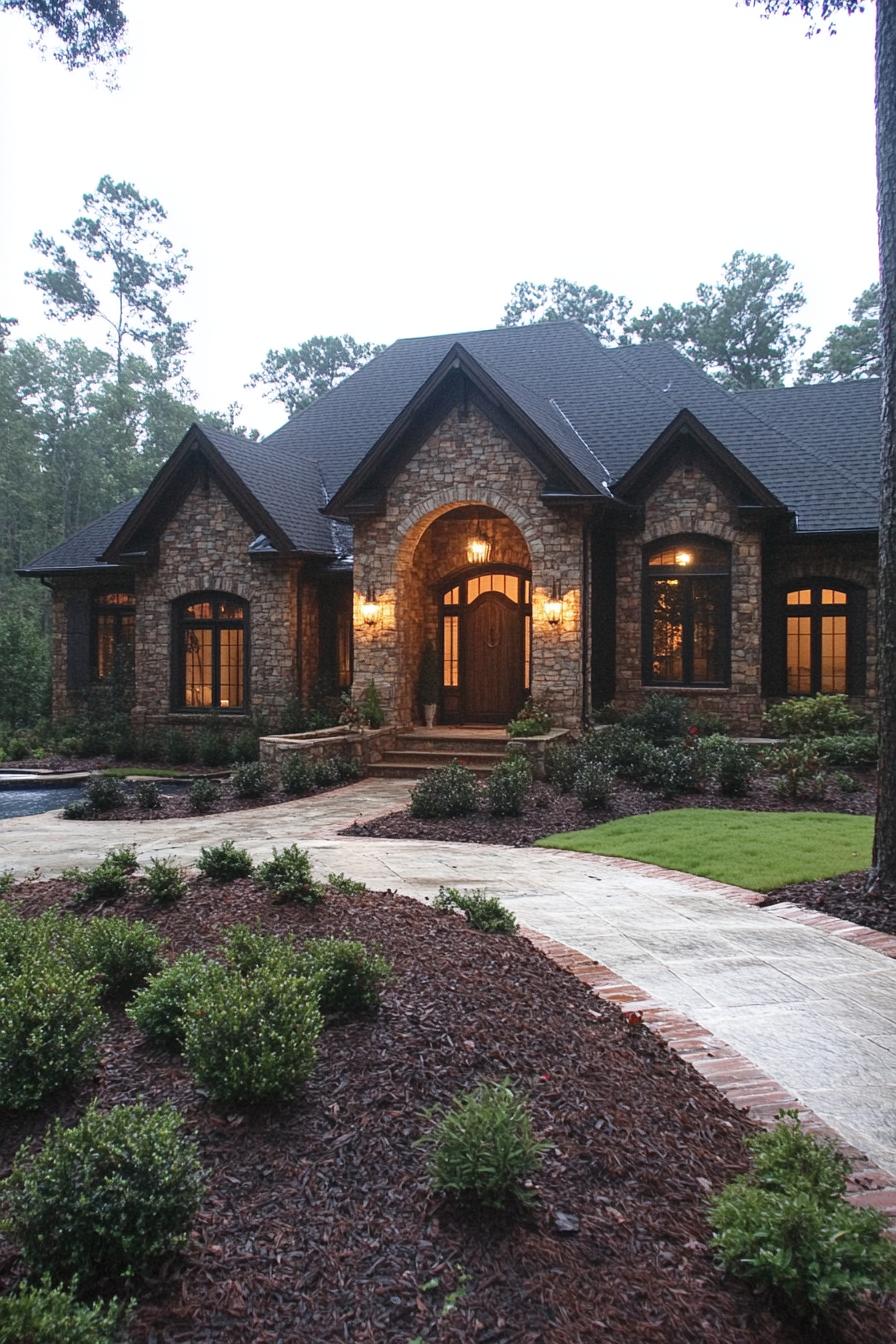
point(814, 448)
point(288, 486)
point(81, 550)
point(839, 423)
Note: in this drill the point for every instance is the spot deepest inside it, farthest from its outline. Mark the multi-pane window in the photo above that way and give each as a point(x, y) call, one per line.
point(817, 639)
point(210, 634)
point(687, 603)
point(113, 633)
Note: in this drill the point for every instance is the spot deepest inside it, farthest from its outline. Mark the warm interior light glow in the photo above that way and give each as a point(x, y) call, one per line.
point(683, 558)
point(370, 608)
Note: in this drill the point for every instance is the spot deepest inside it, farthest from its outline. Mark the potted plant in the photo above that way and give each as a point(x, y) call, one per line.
point(430, 682)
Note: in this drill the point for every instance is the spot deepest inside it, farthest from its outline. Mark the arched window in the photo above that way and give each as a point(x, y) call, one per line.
point(113, 633)
point(687, 612)
point(210, 652)
point(820, 628)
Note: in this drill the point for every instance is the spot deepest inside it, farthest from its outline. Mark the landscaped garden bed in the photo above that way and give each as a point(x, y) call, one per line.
point(318, 1220)
point(845, 896)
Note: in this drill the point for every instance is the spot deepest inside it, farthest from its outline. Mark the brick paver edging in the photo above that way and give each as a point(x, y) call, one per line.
point(884, 943)
point(733, 1074)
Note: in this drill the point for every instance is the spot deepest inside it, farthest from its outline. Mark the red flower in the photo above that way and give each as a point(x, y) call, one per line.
point(694, 730)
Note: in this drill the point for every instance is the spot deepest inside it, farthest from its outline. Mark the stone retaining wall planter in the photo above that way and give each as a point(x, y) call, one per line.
point(349, 744)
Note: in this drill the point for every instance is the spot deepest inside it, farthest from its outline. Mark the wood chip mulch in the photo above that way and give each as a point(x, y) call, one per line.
point(547, 812)
point(318, 1224)
point(845, 897)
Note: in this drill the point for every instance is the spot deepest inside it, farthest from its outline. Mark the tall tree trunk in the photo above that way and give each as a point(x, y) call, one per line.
point(883, 877)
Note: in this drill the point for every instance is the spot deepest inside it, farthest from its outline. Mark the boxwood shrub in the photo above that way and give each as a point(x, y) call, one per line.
point(289, 876)
point(104, 1199)
point(42, 1314)
point(482, 1148)
point(250, 780)
point(348, 978)
point(159, 1009)
point(224, 862)
point(296, 774)
point(203, 795)
point(447, 792)
point(507, 786)
point(483, 912)
point(121, 953)
point(252, 1038)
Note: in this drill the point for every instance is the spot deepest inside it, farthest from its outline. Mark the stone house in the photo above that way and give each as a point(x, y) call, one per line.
point(579, 524)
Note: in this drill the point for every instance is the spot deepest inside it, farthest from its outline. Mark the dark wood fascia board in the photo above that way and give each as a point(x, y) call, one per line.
point(414, 417)
point(686, 425)
point(194, 447)
point(76, 572)
point(843, 534)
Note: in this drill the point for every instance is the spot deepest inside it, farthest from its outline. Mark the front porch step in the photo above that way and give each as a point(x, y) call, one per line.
point(474, 760)
point(455, 744)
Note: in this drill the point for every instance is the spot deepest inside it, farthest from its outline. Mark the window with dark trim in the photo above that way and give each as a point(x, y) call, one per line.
point(820, 629)
point(210, 648)
point(112, 634)
point(687, 612)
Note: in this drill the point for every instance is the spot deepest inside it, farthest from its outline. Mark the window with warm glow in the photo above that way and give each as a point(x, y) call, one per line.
point(817, 640)
point(113, 633)
point(210, 640)
point(687, 600)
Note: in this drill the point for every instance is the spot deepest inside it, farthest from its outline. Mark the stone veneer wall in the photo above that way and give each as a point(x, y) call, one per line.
point(851, 559)
point(688, 501)
point(204, 546)
point(466, 460)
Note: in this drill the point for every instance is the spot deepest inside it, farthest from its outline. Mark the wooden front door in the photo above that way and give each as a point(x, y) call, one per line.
point(492, 647)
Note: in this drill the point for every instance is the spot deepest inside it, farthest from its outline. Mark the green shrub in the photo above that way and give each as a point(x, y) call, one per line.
point(848, 751)
point(660, 718)
point(175, 747)
point(730, 764)
point(250, 780)
point(592, 782)
point(105, 792)
point(224, 862)
point(798, 768)
point(507, 786)
point(245, 747)
point(627, 752)
point(108, 881)
point(147, 794)
point(370, 707)
point(786, 1227)
point(165, 881)
point(348, 767)
point(17, 749)
point(248, 950)
point(79, 810)
point(204, 793)
point(212, 747)
point(122, 953)
point(124, 747)
point(50, 1020)
point(533, 720)
point(482, 1148)
point(289, 876)
point(606, 713)
point(42, 1314)
point(447, 792)
point(347, 977)
point(252, 1039)
point(8, 880)
point(708, 724)
point(159, 1009)
point(326, 773)
point(70, 746)
point(346, 886)
point(680, 768)
point(845, 783)
point(813, 716)
point(561, 761)
point(296, 774)
point(106, 1198)
point(483, 912)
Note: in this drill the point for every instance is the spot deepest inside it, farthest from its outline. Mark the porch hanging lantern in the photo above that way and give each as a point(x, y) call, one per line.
point(479, 546)
point(553, 605)
point(370, 607)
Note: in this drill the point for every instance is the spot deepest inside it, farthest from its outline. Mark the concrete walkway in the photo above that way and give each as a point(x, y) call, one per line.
point(815, 1012)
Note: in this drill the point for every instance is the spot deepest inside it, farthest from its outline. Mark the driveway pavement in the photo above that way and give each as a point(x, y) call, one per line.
point(815, 1012)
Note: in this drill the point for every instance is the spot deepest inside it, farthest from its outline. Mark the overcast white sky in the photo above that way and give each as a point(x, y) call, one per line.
point(391, 170)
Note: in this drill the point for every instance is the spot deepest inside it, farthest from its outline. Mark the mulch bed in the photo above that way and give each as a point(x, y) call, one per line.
point(318, 1224)
point(547, 812)
point(82, 764)
point(845, 897)
point(178, 804)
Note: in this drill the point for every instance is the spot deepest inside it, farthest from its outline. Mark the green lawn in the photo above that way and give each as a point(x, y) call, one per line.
point(759, 850)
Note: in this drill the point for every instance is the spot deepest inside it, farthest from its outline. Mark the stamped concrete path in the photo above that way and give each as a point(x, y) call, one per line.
point(815, 1012)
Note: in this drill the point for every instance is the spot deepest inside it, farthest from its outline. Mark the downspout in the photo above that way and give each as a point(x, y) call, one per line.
point(586, 622)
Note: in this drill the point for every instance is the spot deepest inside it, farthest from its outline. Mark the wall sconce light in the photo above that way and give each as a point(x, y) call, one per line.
point(479, 546)
point(553, 605)
point(683, 558)
point(370, 607)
